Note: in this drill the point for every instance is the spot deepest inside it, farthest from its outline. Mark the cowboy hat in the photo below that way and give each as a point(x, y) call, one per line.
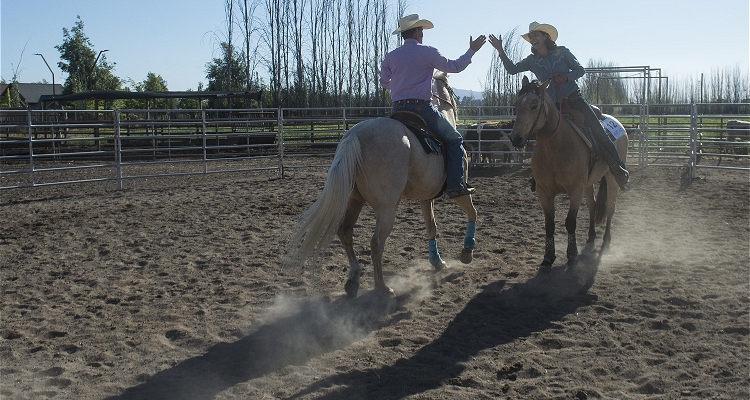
point(546, 28)
point(411, 22)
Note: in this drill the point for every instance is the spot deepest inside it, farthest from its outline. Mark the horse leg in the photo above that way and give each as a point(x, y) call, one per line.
point(570, 226)
point(590, 204)
point(548, 206)
point(467, 205)
point(384, 220)
point(612, 190)
point(346, 235)
point(428, 212)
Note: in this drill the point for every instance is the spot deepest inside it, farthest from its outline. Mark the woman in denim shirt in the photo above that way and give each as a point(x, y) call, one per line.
point(548, 61)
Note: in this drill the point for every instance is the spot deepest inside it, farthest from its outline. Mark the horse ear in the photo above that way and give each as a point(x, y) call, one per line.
point(544, 86)
point(525, 80)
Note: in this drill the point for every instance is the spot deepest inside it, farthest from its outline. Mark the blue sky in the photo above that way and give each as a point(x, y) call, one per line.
point(176, 38)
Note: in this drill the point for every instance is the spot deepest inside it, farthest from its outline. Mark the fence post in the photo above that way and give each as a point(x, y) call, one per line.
point(692, 169)
point(203, 140)
point(31, 149)
point(343, 116)
point(280, 124)
point(118, 151)
point(644, 139)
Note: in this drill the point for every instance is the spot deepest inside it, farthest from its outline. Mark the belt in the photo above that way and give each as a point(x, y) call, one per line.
point(410, 101)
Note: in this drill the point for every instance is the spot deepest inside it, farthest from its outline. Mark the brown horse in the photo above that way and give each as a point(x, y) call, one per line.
point(561, 163)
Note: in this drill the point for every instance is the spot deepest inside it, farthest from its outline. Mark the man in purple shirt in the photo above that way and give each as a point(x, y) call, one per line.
point(407, 72)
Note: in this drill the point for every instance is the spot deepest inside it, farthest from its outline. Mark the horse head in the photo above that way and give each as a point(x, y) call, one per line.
point(531, 111)
point(444, 98)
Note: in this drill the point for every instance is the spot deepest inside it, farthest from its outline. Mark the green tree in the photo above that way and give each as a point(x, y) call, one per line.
point(152, 83)
point(87, 70)
point(227, 73)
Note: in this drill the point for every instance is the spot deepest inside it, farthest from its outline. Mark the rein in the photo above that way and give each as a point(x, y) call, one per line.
point(546, 118)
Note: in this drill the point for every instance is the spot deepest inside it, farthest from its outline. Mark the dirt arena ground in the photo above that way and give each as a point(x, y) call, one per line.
point(173, 290)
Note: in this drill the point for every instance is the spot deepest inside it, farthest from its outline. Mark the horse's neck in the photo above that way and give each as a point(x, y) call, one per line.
point(449, 114)
point(552, 125)
point(445, 104)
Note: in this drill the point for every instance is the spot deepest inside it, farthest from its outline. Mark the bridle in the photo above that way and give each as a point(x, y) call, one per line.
point(546, 119)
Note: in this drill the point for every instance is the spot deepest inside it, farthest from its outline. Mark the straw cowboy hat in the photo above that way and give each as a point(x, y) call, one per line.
point(410, 22)
point(546, 28)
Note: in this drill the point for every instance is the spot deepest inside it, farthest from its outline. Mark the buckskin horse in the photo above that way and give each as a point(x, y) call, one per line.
point(378, 162)
point(562, 163)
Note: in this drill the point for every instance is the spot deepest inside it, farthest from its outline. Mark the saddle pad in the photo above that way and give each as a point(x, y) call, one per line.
point(615, 129)
point(579, 131)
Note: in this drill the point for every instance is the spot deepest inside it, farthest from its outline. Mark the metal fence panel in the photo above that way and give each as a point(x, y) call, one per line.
point(53, 147)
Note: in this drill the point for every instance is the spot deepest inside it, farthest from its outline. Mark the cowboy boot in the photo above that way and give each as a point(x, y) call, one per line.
point(608, 150)
point(612, 158)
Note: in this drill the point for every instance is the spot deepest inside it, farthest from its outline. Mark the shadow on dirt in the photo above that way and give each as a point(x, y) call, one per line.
point(494, 317)
point(315, 327)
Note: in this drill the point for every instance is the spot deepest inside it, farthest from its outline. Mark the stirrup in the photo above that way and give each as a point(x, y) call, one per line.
point(460, 192)
point(622, 176)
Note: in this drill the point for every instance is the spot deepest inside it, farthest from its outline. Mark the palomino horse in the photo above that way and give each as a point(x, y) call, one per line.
point(561, 164)
point(378, 162)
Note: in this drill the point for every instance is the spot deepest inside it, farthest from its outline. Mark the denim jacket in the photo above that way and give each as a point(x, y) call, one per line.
point(558, 61)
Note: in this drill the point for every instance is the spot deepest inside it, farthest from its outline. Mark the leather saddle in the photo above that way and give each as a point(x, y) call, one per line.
point(431, 142)
point(578, 122)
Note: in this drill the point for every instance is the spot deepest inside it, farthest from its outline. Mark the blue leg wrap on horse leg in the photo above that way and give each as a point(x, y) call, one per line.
point(435, 259)
point(471, 231)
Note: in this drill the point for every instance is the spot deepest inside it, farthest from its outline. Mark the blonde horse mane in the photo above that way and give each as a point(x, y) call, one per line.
point(444, 97)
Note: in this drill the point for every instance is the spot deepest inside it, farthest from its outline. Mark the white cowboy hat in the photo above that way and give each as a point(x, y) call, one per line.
point(546, 28)
point(410, 22)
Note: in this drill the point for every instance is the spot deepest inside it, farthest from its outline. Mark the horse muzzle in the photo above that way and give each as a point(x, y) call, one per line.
point(518, 141)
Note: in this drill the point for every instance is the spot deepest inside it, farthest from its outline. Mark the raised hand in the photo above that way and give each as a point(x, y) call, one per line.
point(497, 43)
point(478, 43)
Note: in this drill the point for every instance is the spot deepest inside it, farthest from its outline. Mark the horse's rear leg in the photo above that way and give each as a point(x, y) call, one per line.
point(613, 190)
point(384, 219)
point(346, 236)
point(467, 205)
point(570, 226)
point(428, 212)
point(590, 204)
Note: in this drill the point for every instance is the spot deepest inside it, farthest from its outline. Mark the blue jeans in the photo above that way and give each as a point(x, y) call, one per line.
point(452, 138)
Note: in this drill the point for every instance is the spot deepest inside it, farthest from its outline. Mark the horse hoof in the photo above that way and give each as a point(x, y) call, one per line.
point(467, 255)
point(441, 266)
point(351, 287)
point(386, 291)
point(545, 268)
point(588, 249)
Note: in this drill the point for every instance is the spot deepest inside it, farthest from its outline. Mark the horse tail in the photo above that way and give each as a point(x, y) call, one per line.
point(600, 210)
point(318, 225)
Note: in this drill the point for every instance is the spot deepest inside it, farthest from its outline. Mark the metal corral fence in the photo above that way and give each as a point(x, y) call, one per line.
point(52, 147)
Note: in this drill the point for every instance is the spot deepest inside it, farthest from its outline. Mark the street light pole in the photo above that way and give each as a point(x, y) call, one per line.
point(91, 74)
point(50, 70)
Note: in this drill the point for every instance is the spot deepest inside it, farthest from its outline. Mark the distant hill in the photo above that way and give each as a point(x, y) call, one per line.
point(461, 93)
